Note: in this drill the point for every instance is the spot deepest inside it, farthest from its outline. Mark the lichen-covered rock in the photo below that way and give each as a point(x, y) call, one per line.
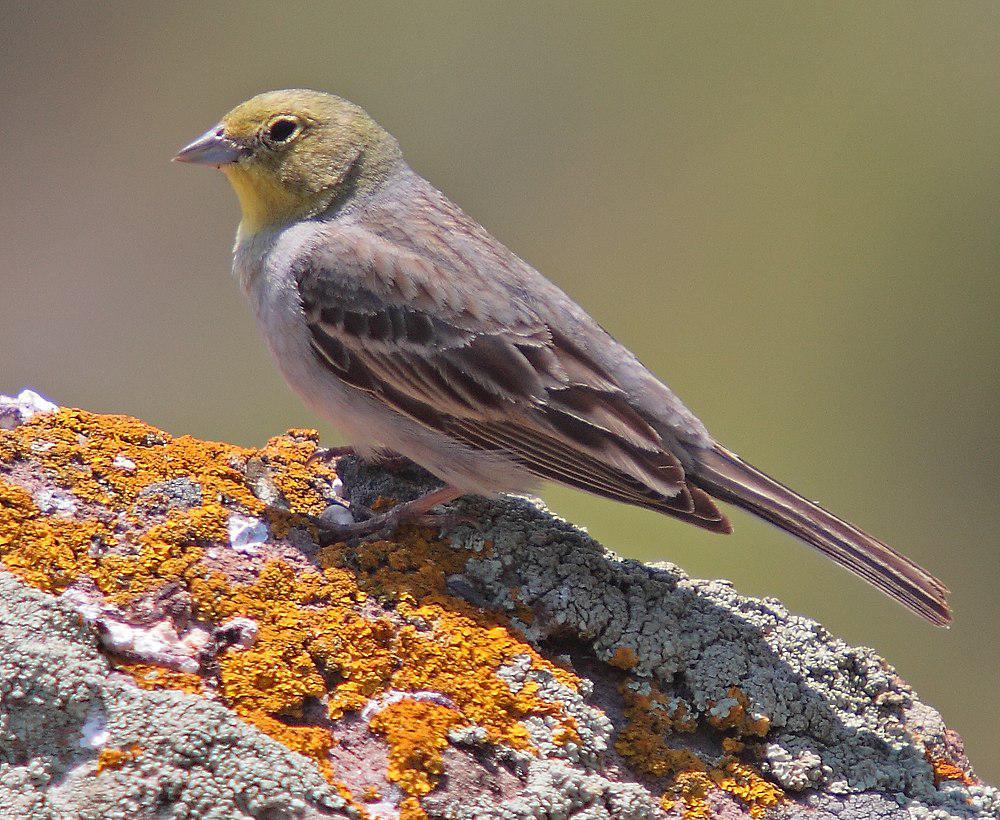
point(80, 740)
point(175, 643)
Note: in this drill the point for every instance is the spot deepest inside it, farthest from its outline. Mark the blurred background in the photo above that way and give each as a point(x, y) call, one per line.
point(791, 212)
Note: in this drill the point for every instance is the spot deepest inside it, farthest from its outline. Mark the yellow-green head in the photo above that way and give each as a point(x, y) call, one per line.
point(289, 154)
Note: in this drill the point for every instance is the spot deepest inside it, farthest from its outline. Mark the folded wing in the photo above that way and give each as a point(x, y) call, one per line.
point(511, 384)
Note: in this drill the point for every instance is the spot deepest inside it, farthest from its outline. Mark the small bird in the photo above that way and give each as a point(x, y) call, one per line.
point(401, 320)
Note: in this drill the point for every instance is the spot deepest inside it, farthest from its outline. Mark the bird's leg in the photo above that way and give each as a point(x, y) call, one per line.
point(416, 511)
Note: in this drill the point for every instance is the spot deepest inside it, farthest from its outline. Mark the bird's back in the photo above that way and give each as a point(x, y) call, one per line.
point(413, 215)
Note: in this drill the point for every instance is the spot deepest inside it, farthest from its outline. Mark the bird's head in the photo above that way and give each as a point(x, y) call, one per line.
point(291, 154)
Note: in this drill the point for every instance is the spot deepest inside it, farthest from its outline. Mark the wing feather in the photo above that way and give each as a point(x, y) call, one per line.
point(504, 383)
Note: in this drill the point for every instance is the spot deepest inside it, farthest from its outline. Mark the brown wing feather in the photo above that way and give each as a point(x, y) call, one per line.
point(731, 479)
point(520, 390)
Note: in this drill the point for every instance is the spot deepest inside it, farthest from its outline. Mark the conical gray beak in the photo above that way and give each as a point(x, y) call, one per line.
point(211, 148)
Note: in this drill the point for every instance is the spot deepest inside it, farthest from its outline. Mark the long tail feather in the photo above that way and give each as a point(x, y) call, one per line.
point(727, 477)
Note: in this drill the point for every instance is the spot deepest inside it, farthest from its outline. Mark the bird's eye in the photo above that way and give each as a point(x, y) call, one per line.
point(282, 130)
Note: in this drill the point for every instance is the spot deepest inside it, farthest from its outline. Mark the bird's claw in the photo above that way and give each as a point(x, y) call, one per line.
point(384, 525)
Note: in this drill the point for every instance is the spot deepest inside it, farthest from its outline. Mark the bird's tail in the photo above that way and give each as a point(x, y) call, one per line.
point(727, 477)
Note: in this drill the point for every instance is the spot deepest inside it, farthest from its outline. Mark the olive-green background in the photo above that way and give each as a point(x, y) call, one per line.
point(790, 212)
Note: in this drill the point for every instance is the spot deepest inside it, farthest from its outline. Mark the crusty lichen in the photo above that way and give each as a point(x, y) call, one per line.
point(743, 674)
point(944, 771)
point(651, 719)
point(317, 640)
point(147, 676)
point(692, 786)
point(113, 758)
point(568, 680)
point(64, 711)
point(417, 733)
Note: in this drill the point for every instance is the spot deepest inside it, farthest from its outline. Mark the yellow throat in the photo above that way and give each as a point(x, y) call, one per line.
point(263, 200)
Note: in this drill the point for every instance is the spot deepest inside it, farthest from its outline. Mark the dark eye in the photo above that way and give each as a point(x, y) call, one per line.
point(282, 130)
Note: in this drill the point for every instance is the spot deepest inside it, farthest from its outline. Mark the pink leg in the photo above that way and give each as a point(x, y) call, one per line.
point(414, 512)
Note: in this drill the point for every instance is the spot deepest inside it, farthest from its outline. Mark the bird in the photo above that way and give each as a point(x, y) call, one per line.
point(401, 320)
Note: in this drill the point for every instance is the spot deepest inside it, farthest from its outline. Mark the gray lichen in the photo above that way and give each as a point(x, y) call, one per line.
point(60, 705)
point(837, 715)
point(832, 725)
point(555, 789)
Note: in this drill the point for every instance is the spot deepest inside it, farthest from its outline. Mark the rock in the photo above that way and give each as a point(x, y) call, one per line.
point(175, 643)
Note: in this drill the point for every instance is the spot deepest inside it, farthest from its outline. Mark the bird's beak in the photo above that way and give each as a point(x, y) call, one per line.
point(211, 148)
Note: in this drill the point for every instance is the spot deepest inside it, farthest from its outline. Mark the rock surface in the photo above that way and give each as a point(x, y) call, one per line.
point(175, 643)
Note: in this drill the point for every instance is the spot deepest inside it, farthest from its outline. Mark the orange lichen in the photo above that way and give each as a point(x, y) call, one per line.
point(459, 659)
point(77, 452)
point(738, 780)
point(312, 643)
point(417, 733)
point(410, 809)
point(739, 718)
point(288, 459)
point(309, 741)
point(167, 551)
point(624, 658)
point(408, 569)
point(449, 646)
point(564, 735)
point(158, 677)
point(116, 758)
point(651, 719)
point(943, 770)
point(46, 552)
point(732, 746)
point(318, 638)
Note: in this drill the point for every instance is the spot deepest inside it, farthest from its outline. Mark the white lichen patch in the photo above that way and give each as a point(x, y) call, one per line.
point(240, 632)
point(468, 736)
point(16, 410)
point(158, 645)
point(383, 810)
point(123, 463)
point(797, 772)
point(55, 502)
point(387, 699)
point(593, 727)
point(94, 731)
point(247, 535)
point(723, 707)
point(85, 602)
point(337, 488)
point(194, 757)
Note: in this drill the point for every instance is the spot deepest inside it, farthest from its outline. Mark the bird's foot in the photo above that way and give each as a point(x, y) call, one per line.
point(384, 524)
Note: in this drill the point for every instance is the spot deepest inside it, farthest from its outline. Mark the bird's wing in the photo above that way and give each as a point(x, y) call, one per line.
point(479, 365)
